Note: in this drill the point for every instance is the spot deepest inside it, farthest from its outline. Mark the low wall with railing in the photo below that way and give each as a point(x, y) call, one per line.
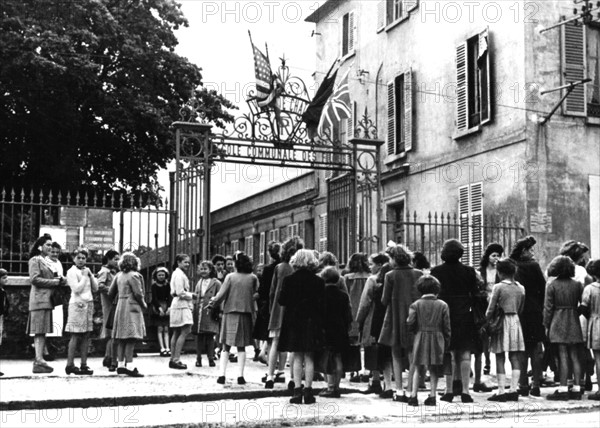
point(17, 344)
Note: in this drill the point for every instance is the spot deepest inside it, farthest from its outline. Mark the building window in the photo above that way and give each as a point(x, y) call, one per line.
point(470, 210)
point(391, 11)
point(400, 114)
point(473, 107)
point(580, 49)
point(235, 246)
point(322, 232)
point(349, 33)
point(292, 230)
point(274, 235)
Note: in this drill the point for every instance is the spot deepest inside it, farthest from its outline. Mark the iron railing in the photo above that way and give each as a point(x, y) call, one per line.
point(97, 221)
point(428, 236)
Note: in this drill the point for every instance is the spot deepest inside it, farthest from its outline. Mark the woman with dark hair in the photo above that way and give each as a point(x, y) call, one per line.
point(261, 327)
point(181, 311)
point(129, 323)
point(530, 275)
point(399, 292)
point(237, 295)
point(370, 319)
point(561, 320)
point(43, 282)
point(105, 276)
point(489, 277)
point(458, 290)
point(420, 262)
point(283, 269)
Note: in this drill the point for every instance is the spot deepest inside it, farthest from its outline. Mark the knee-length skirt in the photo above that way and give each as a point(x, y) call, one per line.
point(81, 317)
point(236, 329)
point(510, 337)
point(40, 322)
point(180, 317)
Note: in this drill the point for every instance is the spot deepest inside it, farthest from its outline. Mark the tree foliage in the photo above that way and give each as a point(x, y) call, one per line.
point(88, 91)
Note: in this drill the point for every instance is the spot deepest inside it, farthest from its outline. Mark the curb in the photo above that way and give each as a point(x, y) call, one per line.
point(145, 400)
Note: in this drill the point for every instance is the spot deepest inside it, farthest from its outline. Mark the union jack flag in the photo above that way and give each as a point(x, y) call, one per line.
point(337, 107)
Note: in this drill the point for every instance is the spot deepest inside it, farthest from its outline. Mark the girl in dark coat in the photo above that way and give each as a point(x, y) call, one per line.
point(302, 326)
point(336, 322)
point(161, 301)
point(459, 287)
point(561, 320)
point(530, 275)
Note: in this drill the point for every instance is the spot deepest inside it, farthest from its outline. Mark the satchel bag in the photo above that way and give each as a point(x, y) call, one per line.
point(351, 359)
point(495, 321)
point(110, 321)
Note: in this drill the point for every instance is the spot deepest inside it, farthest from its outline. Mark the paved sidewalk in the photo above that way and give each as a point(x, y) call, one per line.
point(21, 389)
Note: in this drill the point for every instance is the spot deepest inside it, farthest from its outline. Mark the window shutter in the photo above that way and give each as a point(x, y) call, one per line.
point(408, 110)
point(484, 58)
point(381, 8)
point(391, 104)
point(463, 214)
point(352, 32)
point(574, 68)
point(461, 87)
point(262, 245)
point(476, 214)
point(249, 250)
point(352, 121)
point(323, 233)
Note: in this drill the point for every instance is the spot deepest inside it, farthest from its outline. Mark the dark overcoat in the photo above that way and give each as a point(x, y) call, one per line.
point(530, 275)
point(337, 318)
point(459, 290)
point(302, 325)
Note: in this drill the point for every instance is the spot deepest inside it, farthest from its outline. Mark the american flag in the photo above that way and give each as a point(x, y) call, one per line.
point(262, 71)
point(337, 107)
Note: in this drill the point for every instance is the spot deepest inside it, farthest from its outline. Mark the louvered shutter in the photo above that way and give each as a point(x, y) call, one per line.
point(461, 88)
point(262, 249)
point(573, 57)
point(381, 9)
point(249, 250)
point(486, 93)
point(463, 214)
point(408, 110)
point(323, 233)
point(391, 104)
point(476, 214)
point(352, 32)
point(352, 121)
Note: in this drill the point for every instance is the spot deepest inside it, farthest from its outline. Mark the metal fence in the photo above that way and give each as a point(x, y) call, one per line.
point(97, 222)
point(428, 235)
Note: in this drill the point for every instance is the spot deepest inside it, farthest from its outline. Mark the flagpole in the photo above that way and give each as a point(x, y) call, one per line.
point(274, 129)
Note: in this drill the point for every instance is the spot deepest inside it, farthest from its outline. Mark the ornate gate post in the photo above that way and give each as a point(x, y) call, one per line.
point(191, 199)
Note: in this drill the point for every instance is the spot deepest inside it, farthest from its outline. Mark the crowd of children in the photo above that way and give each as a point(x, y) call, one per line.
point(403, 316)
